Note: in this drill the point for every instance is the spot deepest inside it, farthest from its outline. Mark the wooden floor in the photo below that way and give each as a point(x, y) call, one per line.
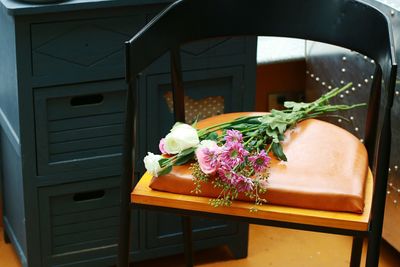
point(268, 247)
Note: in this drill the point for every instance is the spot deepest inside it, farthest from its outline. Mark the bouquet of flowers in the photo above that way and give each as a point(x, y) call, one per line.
point(235, 155)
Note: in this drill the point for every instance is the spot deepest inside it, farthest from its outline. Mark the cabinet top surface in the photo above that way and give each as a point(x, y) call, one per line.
point(19, 7)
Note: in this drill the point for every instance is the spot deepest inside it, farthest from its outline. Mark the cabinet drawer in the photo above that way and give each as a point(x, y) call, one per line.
point(78, 50)
point(80, 218)
point(79, 126)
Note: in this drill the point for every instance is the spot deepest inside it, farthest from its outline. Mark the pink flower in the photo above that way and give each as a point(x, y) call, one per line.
point(239, 181)
point(228, 175)
point(233, 136)
point(245, 185)
point(207, 156)
point(161, 146)
point(260, 162)
point(233, 154)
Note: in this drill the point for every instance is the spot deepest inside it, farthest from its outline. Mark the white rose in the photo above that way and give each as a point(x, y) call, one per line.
point(182, 136)
point(151, 163)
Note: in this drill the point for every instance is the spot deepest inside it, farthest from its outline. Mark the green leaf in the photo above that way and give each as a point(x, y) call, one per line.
point(276, 112)
point(186, 151)
point(267, 119)
point(165, 170)
point(251, 144)
point(254, 120)
point(240, 126)
point(259, 143)
point(271, 133)
point(296, 106)
point(281, 137)
point(289, 104)
point(278, 151)
point(253, 133)
point(162, 161)
point(183, 159)
point(212, 136)
point(281, 126)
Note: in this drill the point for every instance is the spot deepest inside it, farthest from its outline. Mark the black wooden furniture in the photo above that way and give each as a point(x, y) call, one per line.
point(349, 24)
point(62, 93)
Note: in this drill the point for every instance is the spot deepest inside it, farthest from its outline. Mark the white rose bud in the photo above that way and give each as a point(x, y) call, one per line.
point(182, 136)
point(151, 163)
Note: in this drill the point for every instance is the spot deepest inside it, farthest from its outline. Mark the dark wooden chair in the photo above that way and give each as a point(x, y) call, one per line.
point(346, 23)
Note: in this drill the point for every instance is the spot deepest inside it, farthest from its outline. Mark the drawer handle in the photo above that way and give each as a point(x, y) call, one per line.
point(84, 100)
point(90, 195)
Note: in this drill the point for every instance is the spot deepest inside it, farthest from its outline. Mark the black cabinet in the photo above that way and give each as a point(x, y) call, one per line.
point(62, 94)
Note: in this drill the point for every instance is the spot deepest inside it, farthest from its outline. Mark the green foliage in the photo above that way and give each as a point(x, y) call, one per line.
point(227, 195)
point(278, 151)
point(268, 131)
point(198, 177)
point(212, 136)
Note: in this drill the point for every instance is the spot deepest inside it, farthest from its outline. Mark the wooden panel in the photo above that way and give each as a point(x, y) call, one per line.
point(94, 46)
point(85, 236)
point(95, 131)
point(85, 226)
point(13, 206)
point(84, 216)
point(143, 194)
point(92, 121)
point(214, 47)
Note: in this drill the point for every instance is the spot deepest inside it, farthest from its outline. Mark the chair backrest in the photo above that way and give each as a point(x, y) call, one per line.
point(346, 23)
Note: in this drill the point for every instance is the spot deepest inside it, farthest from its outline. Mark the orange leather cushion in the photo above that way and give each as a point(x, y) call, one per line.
point(326, 169)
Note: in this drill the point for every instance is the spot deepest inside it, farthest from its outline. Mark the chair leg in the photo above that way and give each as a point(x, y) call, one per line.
point(356, 251)
point(187, 240)
point(239, 248)
point(373, 250)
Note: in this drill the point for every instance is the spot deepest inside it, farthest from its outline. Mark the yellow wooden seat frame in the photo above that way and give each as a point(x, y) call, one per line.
point(144, 195)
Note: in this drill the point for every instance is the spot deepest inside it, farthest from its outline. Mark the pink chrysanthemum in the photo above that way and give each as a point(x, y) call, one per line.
point(260, 161)
point(245, 185)
point(233, 154)
point(233, 136)
point(229, 176)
